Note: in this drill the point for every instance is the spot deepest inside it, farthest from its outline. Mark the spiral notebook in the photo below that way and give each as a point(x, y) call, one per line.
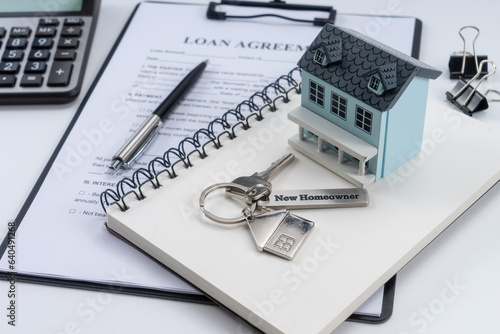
point(352, 251)
point(64, 205)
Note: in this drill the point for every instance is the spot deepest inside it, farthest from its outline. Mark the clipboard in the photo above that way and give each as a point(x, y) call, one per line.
point(85, 284)
point(213, 14)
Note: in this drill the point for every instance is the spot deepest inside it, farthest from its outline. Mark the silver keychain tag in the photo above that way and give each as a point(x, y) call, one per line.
point(316, 199)
point(279, 232)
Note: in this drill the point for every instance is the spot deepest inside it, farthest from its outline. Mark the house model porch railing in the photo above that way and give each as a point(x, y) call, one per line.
point(338, 137)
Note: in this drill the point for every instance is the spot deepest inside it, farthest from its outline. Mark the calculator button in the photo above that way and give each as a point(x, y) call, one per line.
point(9, 67)
point(7, 80)
point(73, 21)
point(71, 31)
point(65, 54)
point(42, 43)
point(46, 31)
point(48, 22)
point(13, 55)
point(31, 80)
point(17, 43)
point(60, 74)
point(20, 32)
point(35, 67)
point(2, 32)
point(68, 43)
point(39, 55)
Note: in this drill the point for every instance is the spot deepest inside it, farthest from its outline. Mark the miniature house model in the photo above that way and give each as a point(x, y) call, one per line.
point(362, 105)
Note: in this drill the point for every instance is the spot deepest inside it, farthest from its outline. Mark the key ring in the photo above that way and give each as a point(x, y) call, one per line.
point(216, 218)
point(250, 198)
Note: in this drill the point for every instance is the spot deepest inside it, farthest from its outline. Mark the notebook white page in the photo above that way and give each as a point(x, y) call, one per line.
point(350, 253)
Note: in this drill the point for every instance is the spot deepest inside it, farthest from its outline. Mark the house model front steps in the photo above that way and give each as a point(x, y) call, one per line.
point(343, 140)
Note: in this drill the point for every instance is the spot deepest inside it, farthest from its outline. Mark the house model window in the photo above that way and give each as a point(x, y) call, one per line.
point(362, 107)
point(382, 79)
point(339, 106)
point(320, 57)
point(328, 52)
point(317, 93)
point(364, 119)
point(374, 83)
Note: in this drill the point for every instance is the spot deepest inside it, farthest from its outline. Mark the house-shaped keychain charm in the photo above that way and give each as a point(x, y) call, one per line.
point(362, 106)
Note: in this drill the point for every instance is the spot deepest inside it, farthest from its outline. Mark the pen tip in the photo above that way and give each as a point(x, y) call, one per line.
point(115, 164)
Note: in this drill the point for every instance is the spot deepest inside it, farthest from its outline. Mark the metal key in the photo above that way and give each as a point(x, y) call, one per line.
point(259, 190)
point(260, 181)
point(275, 167)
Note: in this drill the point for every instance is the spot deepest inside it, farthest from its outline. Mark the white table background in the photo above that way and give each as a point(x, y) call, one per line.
point(450, 287)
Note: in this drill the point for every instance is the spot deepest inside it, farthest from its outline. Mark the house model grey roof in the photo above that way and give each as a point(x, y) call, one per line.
point(361, 57)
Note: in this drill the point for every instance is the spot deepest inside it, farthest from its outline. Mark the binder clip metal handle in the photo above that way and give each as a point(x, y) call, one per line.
point(492, 91)
point(465, 48)
point(467, 98)
point(464, 64)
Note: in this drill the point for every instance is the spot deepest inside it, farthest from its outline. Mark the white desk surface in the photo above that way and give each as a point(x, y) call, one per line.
point(450, 287)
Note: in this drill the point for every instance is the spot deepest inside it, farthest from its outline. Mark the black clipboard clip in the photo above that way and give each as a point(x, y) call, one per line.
point(463, 64)
point(467, 98)
point(213, 14)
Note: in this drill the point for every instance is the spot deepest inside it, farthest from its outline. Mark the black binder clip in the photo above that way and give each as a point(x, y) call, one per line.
point(213, 14)
point(468, 99)
point(464, 65)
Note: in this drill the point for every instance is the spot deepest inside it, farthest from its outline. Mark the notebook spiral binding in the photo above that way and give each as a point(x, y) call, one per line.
point(197, 143)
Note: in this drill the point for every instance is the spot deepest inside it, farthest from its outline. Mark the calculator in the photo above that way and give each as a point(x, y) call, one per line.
point(44, 47)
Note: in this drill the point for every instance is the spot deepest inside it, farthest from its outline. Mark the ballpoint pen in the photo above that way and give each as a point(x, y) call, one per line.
point(143, 136)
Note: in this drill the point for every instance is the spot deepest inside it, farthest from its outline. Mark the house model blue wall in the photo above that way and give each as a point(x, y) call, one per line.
point(362, 105)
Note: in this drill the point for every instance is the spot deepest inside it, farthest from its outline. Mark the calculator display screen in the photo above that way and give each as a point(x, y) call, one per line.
point(47, 6)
